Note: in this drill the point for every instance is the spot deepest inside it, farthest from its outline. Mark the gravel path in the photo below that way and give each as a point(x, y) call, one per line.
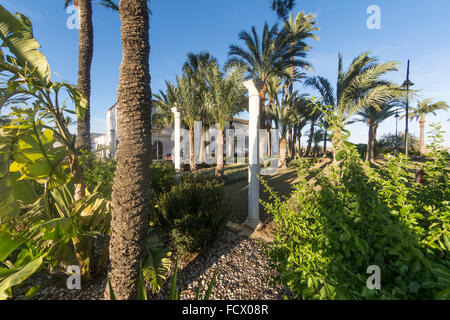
point(243, 271)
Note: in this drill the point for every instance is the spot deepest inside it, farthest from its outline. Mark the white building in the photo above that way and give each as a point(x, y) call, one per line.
point(162, 141)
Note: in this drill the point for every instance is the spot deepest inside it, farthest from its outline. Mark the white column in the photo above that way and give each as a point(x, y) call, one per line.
point(253, 87)
point(177, 131)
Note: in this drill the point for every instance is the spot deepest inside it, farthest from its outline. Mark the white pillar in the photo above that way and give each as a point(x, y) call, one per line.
point(177, 131)
point(111, 118)
point(253, 87)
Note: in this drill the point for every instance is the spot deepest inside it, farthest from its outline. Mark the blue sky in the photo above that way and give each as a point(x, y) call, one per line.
point(415, 30)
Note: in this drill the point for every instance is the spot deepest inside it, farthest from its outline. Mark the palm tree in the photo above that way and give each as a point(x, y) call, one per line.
point(195, 69)
point(265, 58)
point(224, 98)
point(299, 30)
point(85, 54)
point(163, 102)
point(318, 137)
point(282, 7)
point(314, 116)
point(285, 115)
point(131, 188)
point(189, 97)
point(357, 87)
point(423, 108)
point(324, 87)
point(373, 117)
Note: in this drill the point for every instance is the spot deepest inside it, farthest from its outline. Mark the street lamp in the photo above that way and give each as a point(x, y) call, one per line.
point(396, 133)
point(407, 84)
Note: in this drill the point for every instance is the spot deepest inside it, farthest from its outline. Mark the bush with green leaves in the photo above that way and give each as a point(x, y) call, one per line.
point(353, 217)
point(192, 212)
point(98, 171)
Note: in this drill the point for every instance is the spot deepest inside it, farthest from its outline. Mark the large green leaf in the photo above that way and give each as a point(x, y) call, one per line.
point(17, 277)
point(8, 204)
point(16, 33)
point(8, 244)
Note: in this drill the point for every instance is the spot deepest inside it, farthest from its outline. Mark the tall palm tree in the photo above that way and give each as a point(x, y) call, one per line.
point(324, 87)
point(373, 117)
point(282, 7)
point(195, 69)
point(357, 87)
point(131, 188)
point(314, 116)
point(318, 137)
point(224, 98)
point(285, 115)
point(265, 57)
point(423, 108)
point(163, 101)
point(85, 54)
point(189, 97)
point(299, 30)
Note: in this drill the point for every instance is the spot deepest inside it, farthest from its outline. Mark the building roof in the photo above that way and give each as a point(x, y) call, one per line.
point(238, 120)
point(111, 107)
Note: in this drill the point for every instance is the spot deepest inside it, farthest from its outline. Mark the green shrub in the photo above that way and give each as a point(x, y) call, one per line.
point(353, 217)
point(98, 171)
point(162, 177)
point(192, 212)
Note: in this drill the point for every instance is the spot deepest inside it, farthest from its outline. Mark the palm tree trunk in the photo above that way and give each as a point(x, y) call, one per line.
point(85, 53)
point(131, 188)
point(192, 164)
point(202, 145)
point(325, 141)
point(290, 143)
point(310, 139)
point(283, 152)
point(369, 142)
point(300, 151)
point(77, 175)
point(294, 142)
point(219, 165)
point(422, 137)
point(297, 144)
point(374, 139)
point(262, 107)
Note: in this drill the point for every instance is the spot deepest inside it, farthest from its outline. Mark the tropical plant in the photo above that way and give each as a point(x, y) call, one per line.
point(324, 87)
point(195, 68)
point(25, 264)
point(419, 113)
point(26, 76)
point(357, 87)
point(282, 7)
point(85, 54)
point(265, 58)
point(131, 188)
point(299, 30)
point(189, 97)
point(163, 101)
point(373, 117)
point(224, 98)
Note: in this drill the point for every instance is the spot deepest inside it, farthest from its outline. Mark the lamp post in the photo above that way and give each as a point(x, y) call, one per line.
point(396, 133)
point(407, 84)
